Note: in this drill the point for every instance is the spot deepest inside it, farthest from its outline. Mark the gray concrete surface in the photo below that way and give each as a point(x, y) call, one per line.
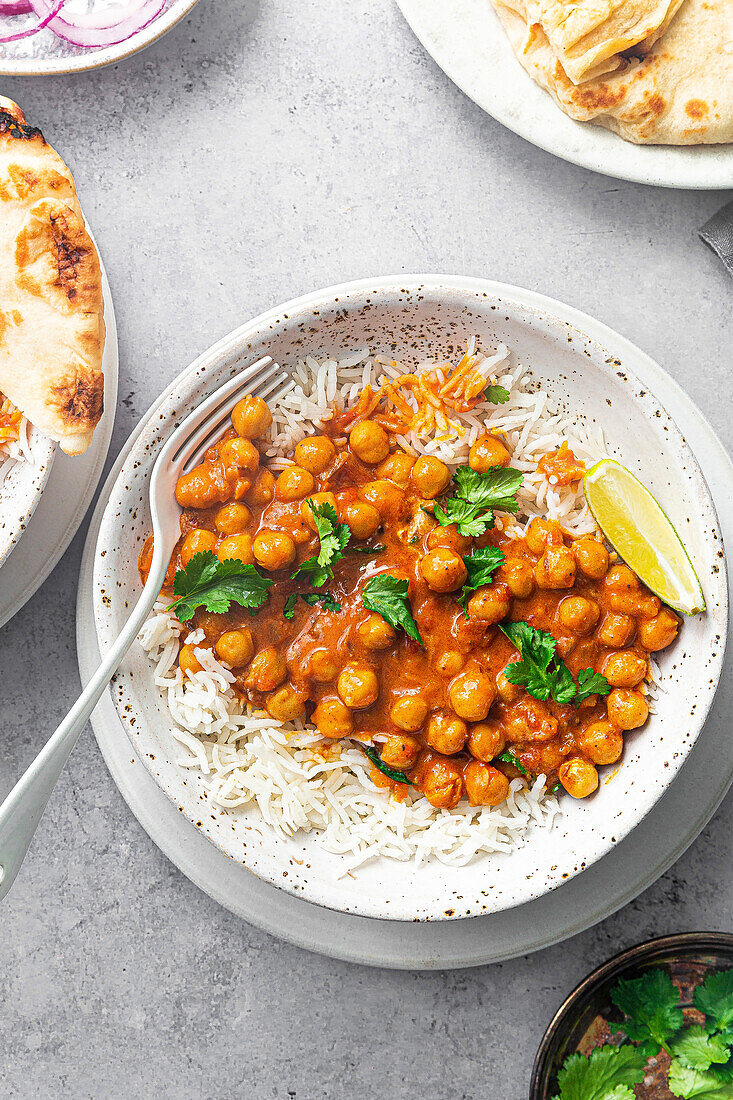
point(264, 148)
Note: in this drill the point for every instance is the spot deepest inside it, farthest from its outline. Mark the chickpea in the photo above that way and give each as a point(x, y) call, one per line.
point(446, 734)
point(542, 533)
point(471, 695)
point(443, 571)
point(251, 417)
point(549, 757)
point(316, 498)
point(236, 647)
point(400, 751)
point(449, 539)
point(659, 632)
point(376, 633)
point(578, 614)
point(263, 487)
point(488, 451)
point(188, 662)
point(332, 719)
point(627, 709)
point(625, 594)
point(357, 686)
point(518, 574)
point(409, 713)
point(442, 784)
point(294, 484)
point(430, 476)
point(449, 663)
point(385, 496)
point(323, 666)
point(369, 442)
point(556, 568)
point(625, 669)
point(239, 454)
point(578, 777)
point(602, 742)
point(485, 786)
point(196, 542)
point(490, 603)
point(273, 549)
point(592, 558)
point(285, 705)
point(362, 518)
point(267, 670)
point(236, 547)
point(203, 486)
point(616, 630)
point(486, 741)
point(315, 454)
point(530, 720)
point(233, 519)
point(396, 467)
point(508, 692)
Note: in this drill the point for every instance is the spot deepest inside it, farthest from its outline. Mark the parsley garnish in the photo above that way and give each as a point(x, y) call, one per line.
point(509, 758)
point(543, 673)
point(607, 1074)
point(652, 1009)
point(333, 536)
point(387, 596)
point(392, 773)
point(496, 394)
point(478, 497)
point(481, 566)
point(207, 582)
point(311, 598)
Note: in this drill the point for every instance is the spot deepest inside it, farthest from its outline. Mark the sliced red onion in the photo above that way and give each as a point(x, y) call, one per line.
point(15, 7)
point(54, 7)
point(114, 24)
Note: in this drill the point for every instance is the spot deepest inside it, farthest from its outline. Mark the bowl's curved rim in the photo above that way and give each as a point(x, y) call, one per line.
point(684, 943)
point(546, 308)
point(43, 450)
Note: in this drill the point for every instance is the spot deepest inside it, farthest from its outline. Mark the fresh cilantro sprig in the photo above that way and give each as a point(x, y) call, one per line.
point(496, 394)
point(543, 673)
point(608, 1074)
point(478, 496)
point(481, 566)
point(216, 585)
point(311, 598)
point(699, 1050)
point(392, 773)
point(695, 1084)
point(334, 538)
point(388, 596)
point(715, 998)
point(652, 1009)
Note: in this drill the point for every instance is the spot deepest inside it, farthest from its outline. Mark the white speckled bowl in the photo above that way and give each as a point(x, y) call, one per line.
point(587, 369)
point(21, 489)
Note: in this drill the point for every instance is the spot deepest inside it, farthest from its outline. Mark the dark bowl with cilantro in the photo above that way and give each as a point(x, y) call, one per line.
point(653, 1023)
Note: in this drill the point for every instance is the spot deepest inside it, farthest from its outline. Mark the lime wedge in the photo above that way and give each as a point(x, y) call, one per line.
point(638, 529)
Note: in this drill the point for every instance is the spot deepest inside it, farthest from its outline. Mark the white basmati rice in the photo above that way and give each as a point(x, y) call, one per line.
point(244, 759)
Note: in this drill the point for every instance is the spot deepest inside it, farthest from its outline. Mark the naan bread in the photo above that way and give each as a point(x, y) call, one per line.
point(678, 92)
point(51, 309)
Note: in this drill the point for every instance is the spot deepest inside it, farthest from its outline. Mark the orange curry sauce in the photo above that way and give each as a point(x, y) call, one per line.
point(445, 712)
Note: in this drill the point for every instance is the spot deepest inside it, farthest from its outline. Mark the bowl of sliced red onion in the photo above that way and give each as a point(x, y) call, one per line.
point(60, 36)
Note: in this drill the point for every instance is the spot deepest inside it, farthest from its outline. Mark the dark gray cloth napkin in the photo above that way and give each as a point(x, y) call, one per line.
point(718, 234)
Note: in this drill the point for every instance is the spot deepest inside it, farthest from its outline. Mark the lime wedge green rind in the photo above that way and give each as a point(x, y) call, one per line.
point(640, 531)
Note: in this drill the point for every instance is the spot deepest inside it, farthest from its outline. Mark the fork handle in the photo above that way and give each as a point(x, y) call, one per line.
point(23, 808)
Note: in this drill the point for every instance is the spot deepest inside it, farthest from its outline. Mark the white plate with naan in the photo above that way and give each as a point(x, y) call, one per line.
point(467, 40)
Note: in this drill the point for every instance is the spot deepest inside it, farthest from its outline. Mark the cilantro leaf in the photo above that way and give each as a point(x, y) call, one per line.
point(714, 997)
point(651, 1006)
point(465, 516)
point(496, 394)
point(333, 536)
point(590, 683)
point(311, 598)
point(478, 497)
point(388, 596)
point(509, 758)
point(378, 549)
point(481, 566)
point(540, 672)
point(691, 1083)
point(216, 585)
point(698, 1050)
point(607, 1074)
point(392, 773)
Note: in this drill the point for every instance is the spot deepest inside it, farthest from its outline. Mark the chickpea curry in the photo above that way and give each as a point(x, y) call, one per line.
point(391, 618)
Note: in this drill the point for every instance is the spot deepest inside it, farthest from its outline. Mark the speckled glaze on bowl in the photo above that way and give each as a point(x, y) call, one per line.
point(588, 370)
point(21, 489)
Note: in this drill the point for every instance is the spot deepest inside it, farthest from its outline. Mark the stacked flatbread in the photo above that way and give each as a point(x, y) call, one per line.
point(657, 72)
point(51, 309)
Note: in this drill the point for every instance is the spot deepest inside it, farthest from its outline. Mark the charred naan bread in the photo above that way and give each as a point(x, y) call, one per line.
point(677, 90)
point(51, 309)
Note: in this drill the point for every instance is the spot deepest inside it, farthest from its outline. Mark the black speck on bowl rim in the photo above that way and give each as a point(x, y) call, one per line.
point(713, 949)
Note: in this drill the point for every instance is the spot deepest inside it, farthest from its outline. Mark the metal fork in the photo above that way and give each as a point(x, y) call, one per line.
point(23, 808)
